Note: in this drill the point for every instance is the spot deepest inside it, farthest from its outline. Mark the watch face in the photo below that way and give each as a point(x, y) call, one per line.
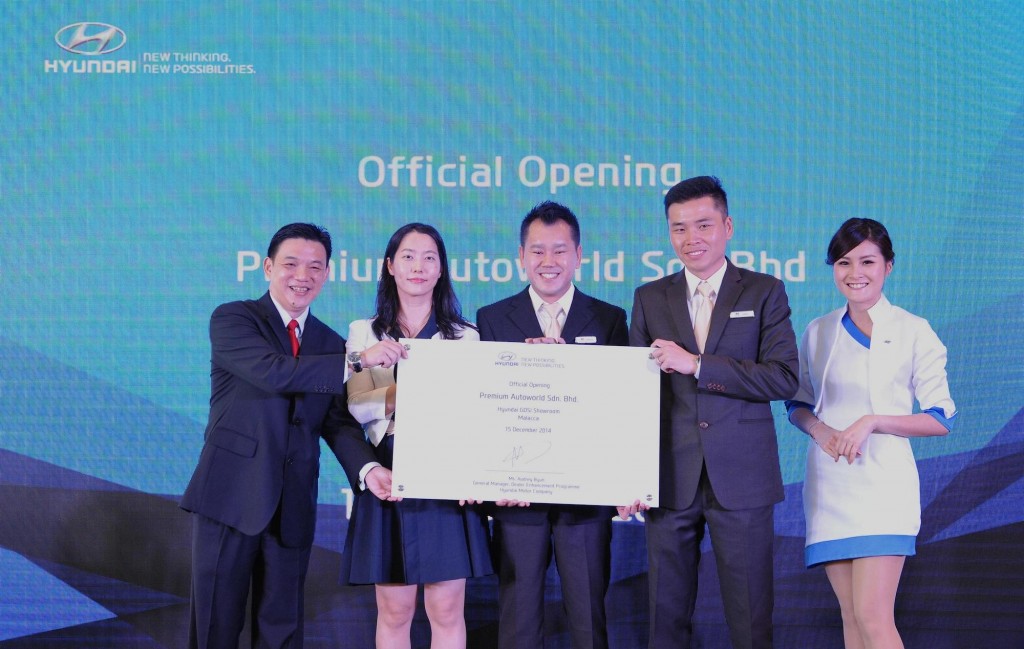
point(356, 361)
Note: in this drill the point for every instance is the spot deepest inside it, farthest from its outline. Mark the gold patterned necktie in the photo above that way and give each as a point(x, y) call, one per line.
point(553, 330)
point(702, 317)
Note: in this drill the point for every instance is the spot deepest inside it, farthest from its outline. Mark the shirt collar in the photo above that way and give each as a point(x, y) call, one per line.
point(565, 301)
point(286, 317)
point(881, 309)
point(715, 280)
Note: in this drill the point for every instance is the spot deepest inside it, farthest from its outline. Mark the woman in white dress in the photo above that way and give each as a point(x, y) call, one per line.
point(862, 367)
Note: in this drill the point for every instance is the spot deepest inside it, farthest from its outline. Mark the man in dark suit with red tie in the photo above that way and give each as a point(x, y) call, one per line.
point(275, 369)
point(552, 310)
point(723, 339)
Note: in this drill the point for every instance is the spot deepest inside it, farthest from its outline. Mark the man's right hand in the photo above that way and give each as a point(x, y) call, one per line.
point(670, 357)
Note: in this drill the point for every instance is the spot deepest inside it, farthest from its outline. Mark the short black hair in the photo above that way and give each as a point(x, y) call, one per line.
point(856, 231)
point(549, 213)
point(307, 231)
point(698, 187)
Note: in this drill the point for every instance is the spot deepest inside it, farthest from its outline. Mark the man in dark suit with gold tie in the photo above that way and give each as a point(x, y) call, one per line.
point(723, 339)
point(552, 310)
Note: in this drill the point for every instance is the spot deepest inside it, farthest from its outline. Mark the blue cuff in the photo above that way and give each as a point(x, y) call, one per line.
point(792, 405)
point(940, 416)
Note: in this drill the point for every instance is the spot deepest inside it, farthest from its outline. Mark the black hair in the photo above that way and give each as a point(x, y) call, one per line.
point(698, 187)
point(549, 213)
point(446, 307)
point(306, 231)
point(856, 231)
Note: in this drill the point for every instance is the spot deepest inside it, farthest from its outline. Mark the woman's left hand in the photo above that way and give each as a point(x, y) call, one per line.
point(847, 443)
point(378, 482)
point(385, 353)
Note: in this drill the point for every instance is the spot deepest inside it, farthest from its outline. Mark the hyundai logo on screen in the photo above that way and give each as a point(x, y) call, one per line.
point(90, 39)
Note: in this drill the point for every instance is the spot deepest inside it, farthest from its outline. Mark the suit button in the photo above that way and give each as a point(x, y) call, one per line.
point(703, 425)
point(297, 421)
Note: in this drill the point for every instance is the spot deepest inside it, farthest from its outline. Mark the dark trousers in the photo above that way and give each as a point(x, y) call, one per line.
point(583, 559)
point(743, 542)
point(224, 564)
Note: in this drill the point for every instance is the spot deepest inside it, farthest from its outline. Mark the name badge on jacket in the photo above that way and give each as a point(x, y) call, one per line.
point(585, 340)
point(741, 314)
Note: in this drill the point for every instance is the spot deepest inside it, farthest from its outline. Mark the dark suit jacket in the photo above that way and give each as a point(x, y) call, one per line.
point(514, 320)
point(724, 419)
point(262, 442)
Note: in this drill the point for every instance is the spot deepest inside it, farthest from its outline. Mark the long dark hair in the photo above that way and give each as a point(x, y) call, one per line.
point(446, 307)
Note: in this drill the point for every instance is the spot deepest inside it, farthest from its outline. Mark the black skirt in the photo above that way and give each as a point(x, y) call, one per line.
point(415, 541)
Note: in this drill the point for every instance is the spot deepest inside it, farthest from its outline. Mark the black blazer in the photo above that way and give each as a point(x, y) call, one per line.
point(724, 420)
point(514, 320)
point(262, 442)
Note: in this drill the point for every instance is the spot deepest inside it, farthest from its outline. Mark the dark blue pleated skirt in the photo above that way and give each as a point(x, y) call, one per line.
point(414, 541)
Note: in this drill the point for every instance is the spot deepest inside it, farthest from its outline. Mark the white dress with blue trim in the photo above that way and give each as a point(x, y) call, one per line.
point(871, 507)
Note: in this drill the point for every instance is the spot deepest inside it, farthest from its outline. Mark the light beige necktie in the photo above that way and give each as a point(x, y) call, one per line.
point(702, 318)
point(554, 329)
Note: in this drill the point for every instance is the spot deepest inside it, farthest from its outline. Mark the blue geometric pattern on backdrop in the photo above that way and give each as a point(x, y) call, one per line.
point(67, 417)
point(34, 601)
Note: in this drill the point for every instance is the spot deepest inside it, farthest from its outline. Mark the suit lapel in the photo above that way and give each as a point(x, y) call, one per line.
point(273, 320)
point(732, 288)
point(579, 316)
point(676, 296)
point(521, 314)
point(312, 335)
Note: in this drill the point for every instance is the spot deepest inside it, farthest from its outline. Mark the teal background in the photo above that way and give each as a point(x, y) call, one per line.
point(125, 199)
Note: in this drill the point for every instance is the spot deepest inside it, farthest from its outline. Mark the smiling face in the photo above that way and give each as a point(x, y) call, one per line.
point(296, 273)
point(860, 274)
point(550, 258)
point(699, 231)
point(416, 265)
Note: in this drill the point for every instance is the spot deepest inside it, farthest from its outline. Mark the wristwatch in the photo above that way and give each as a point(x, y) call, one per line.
point(355, 360)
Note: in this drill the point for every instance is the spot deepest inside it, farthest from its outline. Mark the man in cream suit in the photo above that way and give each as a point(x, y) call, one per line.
point(552, 310)
point(723, 339)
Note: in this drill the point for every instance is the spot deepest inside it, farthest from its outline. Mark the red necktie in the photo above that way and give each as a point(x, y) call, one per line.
point(293, 328)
